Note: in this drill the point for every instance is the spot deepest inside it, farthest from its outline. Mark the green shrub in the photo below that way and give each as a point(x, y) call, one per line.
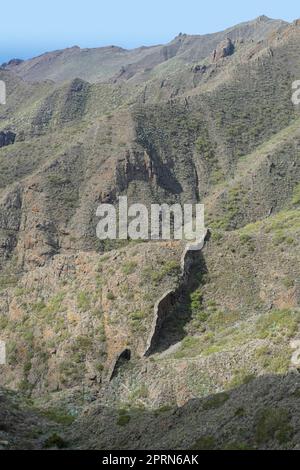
point(278, 324)
point(55, 440)
point(215, 401)
point(296, 195)
point(123, 420)
point(136, 319)
point(245, 238)
point(273, 423)
point(288, 282)
point(241, 377)
point(234, 445)
point(196, 298)
point(110, 296)
point(3, 322)
point(170, 268)
point(240, 412)
point(83, 301)
point(129, 267)
point(204, 443)
point(58, 416)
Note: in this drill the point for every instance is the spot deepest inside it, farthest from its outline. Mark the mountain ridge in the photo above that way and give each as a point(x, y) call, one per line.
point(38, 67)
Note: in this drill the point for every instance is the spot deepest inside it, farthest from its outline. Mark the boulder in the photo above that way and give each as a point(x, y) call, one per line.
point(224, 49)
point(199, 69)
point(7, 138)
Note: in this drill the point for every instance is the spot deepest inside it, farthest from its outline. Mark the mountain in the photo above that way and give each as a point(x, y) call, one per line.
point(129, 337)
point(102, 64)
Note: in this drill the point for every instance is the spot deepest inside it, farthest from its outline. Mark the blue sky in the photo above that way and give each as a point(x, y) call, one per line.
point(31, 27)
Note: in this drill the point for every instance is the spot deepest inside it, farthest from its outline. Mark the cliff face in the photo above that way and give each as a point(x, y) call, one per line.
point(224, 49)
point(206, 119)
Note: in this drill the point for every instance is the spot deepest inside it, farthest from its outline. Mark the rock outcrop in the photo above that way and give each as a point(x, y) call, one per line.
point(7, 138)
point(224, 49)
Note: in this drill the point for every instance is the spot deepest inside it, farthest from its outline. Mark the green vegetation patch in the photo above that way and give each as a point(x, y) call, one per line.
point(58, 416)
point(55, 440)
point(124, 418)
point(282, 226)
point(296, 195)
point(216, 401)
point(83, 301)
point(273, 423)
point(136, 320)
point(169, 269)
point(129, 267)
point(204, 443)
point(278, 324)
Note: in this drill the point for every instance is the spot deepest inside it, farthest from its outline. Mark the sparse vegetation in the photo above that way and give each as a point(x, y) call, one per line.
point(204, 443)
point(55, 440)
point(215, 401)
point(123, 418)
point(83, 301)
point(273, 423)
point(110, 296)
point(129, 267)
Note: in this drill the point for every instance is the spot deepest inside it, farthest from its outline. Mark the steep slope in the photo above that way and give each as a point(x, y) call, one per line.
point(25, 427)
point(263, 414)
point(75, 153)
point(88, 64)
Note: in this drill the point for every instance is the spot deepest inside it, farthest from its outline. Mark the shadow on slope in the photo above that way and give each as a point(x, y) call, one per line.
point(171, 329)
point(261, 414)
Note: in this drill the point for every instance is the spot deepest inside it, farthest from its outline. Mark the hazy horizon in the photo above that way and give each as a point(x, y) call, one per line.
point(34, 28)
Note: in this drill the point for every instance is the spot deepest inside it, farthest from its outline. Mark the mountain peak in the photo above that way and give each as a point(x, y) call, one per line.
point(263, 18)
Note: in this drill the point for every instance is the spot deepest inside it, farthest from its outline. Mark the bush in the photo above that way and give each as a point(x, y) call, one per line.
point(83, 301)
point(123, 420)
point(58, 416)
point(204, 443)
point(110, 296)
point(196, 300)
point(237, 446)
point(129, 267)
point(296, 195)
point(278, 324)
point(136, 319)
point(215, 401)
point(273, 423)
point(55, 440)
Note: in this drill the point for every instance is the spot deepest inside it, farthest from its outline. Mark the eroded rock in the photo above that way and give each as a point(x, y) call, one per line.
point(7, 138)
point(224, 49)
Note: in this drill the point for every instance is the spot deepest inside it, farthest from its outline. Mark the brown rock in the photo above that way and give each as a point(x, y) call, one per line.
point(224, 49)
